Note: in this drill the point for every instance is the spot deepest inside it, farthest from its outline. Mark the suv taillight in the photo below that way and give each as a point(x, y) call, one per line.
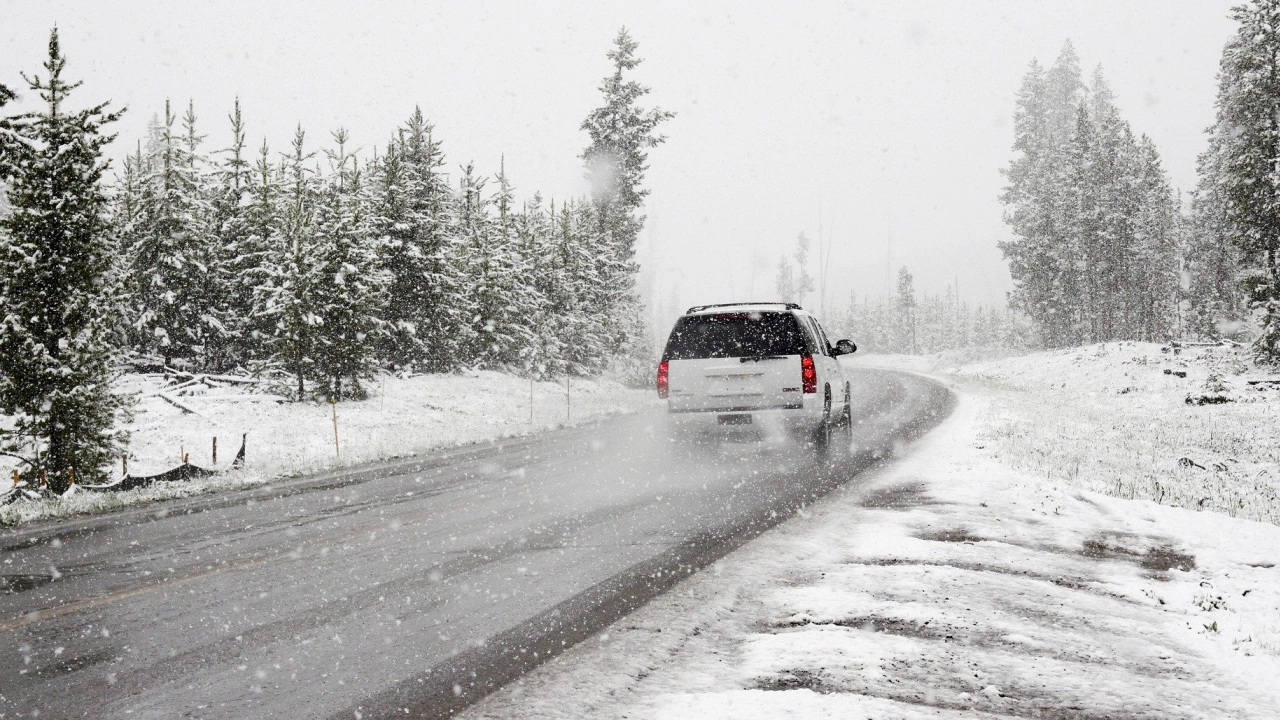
point(662, 380)
point(808, 374)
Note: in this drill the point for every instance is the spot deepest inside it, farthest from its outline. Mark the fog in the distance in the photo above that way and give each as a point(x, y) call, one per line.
point(856, 119)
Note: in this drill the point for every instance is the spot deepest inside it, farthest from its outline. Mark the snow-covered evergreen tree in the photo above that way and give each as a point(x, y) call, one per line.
point(1245, 144)
point(1093, 258)
point(290, 293)
point(349, 290)
point(506, 302)
point(622, 133)
point(58, 292)
point(258, 263)
point(906, 310)
point(235, 266)
point(803, 280)
point(1153, 275)
point(413, 205)
point(1212, 261)
point(7, 139)
point(784, 281)
point(533, 231)
point(172, 249)
point(1033, 214)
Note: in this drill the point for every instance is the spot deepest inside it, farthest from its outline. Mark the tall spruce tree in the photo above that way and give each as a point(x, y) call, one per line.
point(259, 261)
point(1246, 142)
point(8, 138)
point(533, 237)
point(785, 280)
point(1032, 214)
point(1154, 274)
point(413, 208)
point(58, 292)
point(1212, 261)
point(502, 303)
point(290, 293)
point(172, 249)
point(906, 305)
point(622, 133)
point(234, 265)
point(804, 281)
point(349, 288)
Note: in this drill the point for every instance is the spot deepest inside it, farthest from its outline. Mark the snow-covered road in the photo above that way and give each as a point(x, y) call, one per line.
point(412, 586)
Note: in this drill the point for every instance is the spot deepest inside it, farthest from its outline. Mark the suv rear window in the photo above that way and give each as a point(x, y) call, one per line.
point(727, 335)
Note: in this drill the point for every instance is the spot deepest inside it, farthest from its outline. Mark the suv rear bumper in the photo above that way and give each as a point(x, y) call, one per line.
point(794, 417)
point(734, 409)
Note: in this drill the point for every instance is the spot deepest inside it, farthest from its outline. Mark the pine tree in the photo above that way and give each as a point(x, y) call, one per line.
point(413, 207)
point(621, 133)
point(1035, 204)
point(234, 266)
point(906, 310)
point(505, 303)
point(291, 290)
point(804, 281)
point(785, 281)
point(172, 251)
point(1153, 273)
point(8, 139)
point(1246, 142)
point(533, 228)
point(348, 288)
point(258, 263)
point(1211, 260)
point(480, 258)
point(57, 288)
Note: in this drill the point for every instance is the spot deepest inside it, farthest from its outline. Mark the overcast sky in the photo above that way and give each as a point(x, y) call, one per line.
point(864, 118)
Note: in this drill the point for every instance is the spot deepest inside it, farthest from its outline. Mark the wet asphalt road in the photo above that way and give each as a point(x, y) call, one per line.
point(414, 586)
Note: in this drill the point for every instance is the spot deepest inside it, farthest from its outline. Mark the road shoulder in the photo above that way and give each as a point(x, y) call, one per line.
point(947, 584)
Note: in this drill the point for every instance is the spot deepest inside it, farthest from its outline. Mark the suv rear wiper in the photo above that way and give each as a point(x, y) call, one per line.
point(758, 358)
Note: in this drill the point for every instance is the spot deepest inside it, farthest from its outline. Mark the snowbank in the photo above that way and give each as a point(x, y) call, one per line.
point(401, 418)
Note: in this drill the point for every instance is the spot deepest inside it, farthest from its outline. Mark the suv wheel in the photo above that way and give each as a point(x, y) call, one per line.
point(822, 434)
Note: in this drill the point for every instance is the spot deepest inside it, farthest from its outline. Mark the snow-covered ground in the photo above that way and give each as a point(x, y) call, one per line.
point(402, 417)
point(972, 579)
point(1115, 418)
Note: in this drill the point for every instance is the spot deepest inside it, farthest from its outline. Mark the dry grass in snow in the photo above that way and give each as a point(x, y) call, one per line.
point(1108, 418)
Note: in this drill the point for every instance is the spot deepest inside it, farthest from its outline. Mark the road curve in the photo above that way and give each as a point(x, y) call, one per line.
point(406, 589)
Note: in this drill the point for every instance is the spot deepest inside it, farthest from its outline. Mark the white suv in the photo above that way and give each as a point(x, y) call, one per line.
point(767, 364)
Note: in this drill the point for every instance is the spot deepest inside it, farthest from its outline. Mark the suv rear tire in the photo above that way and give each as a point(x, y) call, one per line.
point(822, 433)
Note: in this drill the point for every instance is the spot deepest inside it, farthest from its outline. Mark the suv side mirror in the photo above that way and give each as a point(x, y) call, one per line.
point(846, 347)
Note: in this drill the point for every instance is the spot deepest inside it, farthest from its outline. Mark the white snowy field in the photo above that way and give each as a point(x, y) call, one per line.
point(1114, 418)
point(970, 578)
point(404, 417)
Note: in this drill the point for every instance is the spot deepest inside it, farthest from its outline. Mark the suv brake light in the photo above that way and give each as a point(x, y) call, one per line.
point(662, 380)
point(808, 374)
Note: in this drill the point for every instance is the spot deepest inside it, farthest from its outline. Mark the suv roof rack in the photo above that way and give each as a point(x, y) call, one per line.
point(700, 308)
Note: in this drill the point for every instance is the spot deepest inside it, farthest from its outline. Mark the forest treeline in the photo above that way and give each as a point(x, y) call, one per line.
point(1103, 250)
point(929, 323)
point(1095, 253)
point(907, 321)
point(1233, 230)
point(328, 267)
point(311, 263)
